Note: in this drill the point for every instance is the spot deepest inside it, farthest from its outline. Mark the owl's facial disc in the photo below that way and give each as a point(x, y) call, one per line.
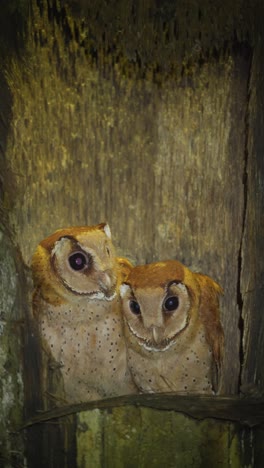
point(80, 261)
point(102, 285)
point(81, 270)
point(156, 317)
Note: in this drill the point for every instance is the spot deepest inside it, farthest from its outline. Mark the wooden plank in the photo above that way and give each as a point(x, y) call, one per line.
point(252, 261)
point(247, 411)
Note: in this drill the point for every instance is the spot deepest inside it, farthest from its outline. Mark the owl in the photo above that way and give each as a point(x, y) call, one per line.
point(172, 327)
point(77, 308)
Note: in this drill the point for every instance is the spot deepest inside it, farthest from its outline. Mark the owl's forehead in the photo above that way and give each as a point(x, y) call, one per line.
point(82, 234)
point(147, 296)
point(92, 239)
point(156, 275)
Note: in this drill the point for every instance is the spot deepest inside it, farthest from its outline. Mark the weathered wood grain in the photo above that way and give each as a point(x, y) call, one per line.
point(139, 436)
point(246, 411)
point(252, 263)
point(11, 345)
point(98, 137)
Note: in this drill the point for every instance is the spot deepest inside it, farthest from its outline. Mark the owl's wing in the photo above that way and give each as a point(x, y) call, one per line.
point(209, 313)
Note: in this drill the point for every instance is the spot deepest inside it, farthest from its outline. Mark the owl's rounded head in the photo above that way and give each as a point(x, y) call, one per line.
point(76, 262)
point(161, 300)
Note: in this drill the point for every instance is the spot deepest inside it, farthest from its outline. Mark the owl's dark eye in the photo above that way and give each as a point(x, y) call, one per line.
point(78, 261)
point(171, 303)
point(134, 307)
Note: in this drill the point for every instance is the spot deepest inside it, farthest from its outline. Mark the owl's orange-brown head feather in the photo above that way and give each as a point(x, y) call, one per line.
point(76, 262)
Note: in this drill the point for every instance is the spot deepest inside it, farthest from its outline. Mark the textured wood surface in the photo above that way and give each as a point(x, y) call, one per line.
point(11, 323)
point(246, 411)
point(171, 441)
point(139, 436)
point(252, 265)
point(160, 158)
point(149, 115)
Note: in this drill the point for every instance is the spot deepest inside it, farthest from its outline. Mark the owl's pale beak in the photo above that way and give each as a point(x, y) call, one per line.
point(107, 283)
point(157, 334)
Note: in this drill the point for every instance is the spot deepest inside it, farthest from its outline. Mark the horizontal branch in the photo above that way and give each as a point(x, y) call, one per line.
point(246, 411)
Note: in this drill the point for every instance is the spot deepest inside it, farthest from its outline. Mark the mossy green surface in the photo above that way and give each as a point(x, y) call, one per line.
point(11, 387)
point(130, 437)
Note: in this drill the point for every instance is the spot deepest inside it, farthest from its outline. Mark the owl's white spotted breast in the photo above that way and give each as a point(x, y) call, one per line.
point(88, 346)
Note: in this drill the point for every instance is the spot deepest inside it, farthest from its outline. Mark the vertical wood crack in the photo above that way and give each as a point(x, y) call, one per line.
point(240, 301)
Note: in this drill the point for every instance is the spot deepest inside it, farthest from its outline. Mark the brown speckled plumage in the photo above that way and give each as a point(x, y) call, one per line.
point(77, 307)
point(172, 328)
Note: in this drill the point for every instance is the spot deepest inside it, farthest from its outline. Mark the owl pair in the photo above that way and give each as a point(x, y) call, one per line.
point(107, 329)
